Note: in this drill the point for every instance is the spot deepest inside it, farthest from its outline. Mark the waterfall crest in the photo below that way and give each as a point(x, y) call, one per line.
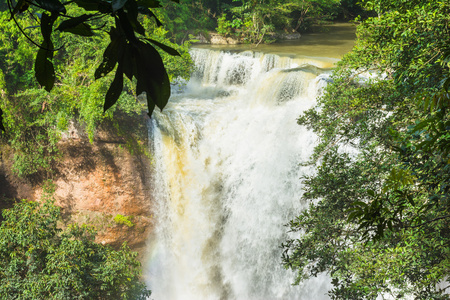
point(226, 152)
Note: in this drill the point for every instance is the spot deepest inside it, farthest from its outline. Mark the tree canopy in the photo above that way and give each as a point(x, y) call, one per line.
point(378, 220)
point(35, 119)
point(39, 260)
point(253, 21)
point(130, 48)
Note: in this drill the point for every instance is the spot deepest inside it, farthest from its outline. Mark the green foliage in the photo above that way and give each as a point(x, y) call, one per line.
point(32, 138)
point(40, 261)
point(129, 49)
point(255, 22)
point(379, 212)
point(188, 17)
point(252, 25)
point(251, 21)
point(124, 220)
point(35, 119)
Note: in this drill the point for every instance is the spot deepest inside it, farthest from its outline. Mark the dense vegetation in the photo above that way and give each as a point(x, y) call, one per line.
point(34, 118)
point(51, 46)
point(253, 21)
point(38, 260)
point(378, 220)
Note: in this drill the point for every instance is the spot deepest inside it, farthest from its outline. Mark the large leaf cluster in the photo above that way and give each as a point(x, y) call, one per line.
point(35, 119)
point(257, 21)
point(130, 50)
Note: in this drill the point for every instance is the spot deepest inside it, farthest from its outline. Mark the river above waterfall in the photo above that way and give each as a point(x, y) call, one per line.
point(330, 41)
point(227, 154)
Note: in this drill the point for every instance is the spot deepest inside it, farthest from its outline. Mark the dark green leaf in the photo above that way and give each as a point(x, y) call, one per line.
point(1, 121)
point(151, 75)
point(359, 203)
point(132, 13)
point(149, 3)
point(354, 215)
point(421, 125)
point(52, 5)
point(73, 22)
point(123, 23)
point(129, 63)
point(21, 6)
point(47, 26)
point(446, 84)
point(87, 4)
point(95, 5)
point(43, 67)
point(151, 107)
point(118, 4)
point(115, 89)
point(166, 48)
point(82, 29)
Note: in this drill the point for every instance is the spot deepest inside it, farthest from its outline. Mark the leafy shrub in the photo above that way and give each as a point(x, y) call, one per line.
point(124, 220)
point(40, 261)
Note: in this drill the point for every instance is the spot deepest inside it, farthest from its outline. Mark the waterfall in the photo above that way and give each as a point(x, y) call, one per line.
point(227, 153)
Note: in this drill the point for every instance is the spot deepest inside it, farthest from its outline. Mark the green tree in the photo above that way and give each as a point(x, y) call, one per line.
point(251, 21)
point(378, 222)
point(38, 260)
point(255, 21)
point(34, 118)
point(130, 47)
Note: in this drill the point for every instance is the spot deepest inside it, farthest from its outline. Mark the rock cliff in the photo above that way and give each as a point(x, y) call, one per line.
point(98, 183)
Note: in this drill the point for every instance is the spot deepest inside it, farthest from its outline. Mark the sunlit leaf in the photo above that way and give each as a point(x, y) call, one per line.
point(149, 3)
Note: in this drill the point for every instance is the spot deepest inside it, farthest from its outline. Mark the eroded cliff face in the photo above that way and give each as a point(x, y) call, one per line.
point(94, 183)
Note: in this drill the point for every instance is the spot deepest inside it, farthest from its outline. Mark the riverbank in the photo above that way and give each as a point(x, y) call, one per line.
point(331, 41)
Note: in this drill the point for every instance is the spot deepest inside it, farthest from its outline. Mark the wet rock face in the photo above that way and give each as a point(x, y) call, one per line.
point(94, 183)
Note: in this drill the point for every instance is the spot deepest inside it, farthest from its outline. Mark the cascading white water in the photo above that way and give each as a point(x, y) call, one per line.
point(226, 152)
